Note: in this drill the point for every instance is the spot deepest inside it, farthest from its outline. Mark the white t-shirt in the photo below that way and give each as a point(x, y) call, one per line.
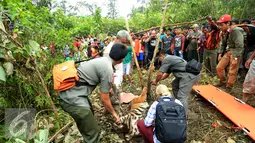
point(118, 75)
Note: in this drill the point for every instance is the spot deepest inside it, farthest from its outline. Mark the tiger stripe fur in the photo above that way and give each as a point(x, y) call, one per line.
point(138, 109)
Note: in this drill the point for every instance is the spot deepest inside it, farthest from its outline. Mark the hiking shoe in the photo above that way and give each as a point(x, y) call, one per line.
point(221, 84)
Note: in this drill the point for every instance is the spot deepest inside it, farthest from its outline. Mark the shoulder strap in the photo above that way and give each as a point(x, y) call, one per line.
point(231, 29)
point(165, 97)
point(89, 58)
point(244, 26)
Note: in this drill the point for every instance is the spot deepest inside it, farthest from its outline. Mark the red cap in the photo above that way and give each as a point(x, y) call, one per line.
point(224, 18)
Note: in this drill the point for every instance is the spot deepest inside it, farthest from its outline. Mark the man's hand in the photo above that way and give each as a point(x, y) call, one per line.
point(209, 18)
point(108, 105)
point(117, 118)
point(198, 48)
point(181, 51)
point(154, 82)
point(234, 62)
point(219, 57)
point(248, 63)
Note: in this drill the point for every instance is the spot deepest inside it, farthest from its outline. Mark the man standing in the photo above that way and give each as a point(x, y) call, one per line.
point(152, 40)
point(75, 100)
point(166, 43)
point(233, 45)
point(193, 45)
point(123, 37)
point(183, 81)
point(185, 33)
point(211, 47)
point(253, 21)
point(249, 83)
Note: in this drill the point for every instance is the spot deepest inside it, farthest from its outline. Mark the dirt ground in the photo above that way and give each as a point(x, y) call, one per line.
point(201, 115)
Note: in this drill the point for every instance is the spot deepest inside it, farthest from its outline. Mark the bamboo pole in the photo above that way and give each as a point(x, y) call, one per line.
point(134, 56)
point(175, 24)
point(155, 53)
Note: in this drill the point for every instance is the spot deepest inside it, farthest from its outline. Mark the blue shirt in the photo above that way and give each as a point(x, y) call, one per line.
point(161, 37)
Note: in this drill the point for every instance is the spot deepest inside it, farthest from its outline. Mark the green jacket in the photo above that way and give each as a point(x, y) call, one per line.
point(235, 42)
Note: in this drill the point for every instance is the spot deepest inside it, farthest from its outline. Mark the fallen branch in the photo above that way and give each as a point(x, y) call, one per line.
point(155, 53)
point(175, 24)
point(48, 94)
point(134, 56)
point(60, 131)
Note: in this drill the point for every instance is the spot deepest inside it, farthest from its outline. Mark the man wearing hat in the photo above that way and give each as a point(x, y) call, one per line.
point(233, 45)
point(193, 45)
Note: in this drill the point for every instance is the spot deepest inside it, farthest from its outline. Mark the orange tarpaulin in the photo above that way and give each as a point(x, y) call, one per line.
point(235, 109)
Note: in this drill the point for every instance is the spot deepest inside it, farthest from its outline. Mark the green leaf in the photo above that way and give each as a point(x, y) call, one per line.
point(18, 51)
point(34, 46)
point(2, 74)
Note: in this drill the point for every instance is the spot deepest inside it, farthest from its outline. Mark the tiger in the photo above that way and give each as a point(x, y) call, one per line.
point(137, 112)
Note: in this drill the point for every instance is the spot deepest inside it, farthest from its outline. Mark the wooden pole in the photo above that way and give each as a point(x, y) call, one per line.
point(134, 56)
point(155, 53)
point(175, 24)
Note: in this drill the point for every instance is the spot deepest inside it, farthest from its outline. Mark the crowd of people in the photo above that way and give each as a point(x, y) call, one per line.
point(220, 45)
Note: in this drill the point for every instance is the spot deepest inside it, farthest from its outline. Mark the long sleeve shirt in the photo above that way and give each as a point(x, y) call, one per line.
point(235, 41)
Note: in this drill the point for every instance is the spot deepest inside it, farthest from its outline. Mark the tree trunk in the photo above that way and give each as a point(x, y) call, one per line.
point(155, 53)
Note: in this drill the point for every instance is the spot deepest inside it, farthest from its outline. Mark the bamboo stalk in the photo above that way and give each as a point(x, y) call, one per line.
point(155, 53)
point(134, 56)
point(175, 24)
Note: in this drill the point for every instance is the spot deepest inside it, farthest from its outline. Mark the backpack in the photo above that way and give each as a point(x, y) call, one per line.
point(65, 75)
point(193, 67)
point(170, 123)
point(250, 30)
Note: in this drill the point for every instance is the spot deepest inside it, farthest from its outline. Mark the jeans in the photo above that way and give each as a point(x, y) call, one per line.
point(178, 53)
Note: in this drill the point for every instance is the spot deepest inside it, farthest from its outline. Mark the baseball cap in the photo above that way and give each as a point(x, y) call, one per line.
point(224, 18)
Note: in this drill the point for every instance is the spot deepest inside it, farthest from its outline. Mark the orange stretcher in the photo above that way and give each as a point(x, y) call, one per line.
point(235, 109)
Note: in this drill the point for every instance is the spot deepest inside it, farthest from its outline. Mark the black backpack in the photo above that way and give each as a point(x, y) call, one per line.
point(250, 30)
point(170, 123)
point(193, 67)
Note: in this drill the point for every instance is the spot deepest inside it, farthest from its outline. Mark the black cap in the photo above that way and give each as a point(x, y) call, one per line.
point(118, 51)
